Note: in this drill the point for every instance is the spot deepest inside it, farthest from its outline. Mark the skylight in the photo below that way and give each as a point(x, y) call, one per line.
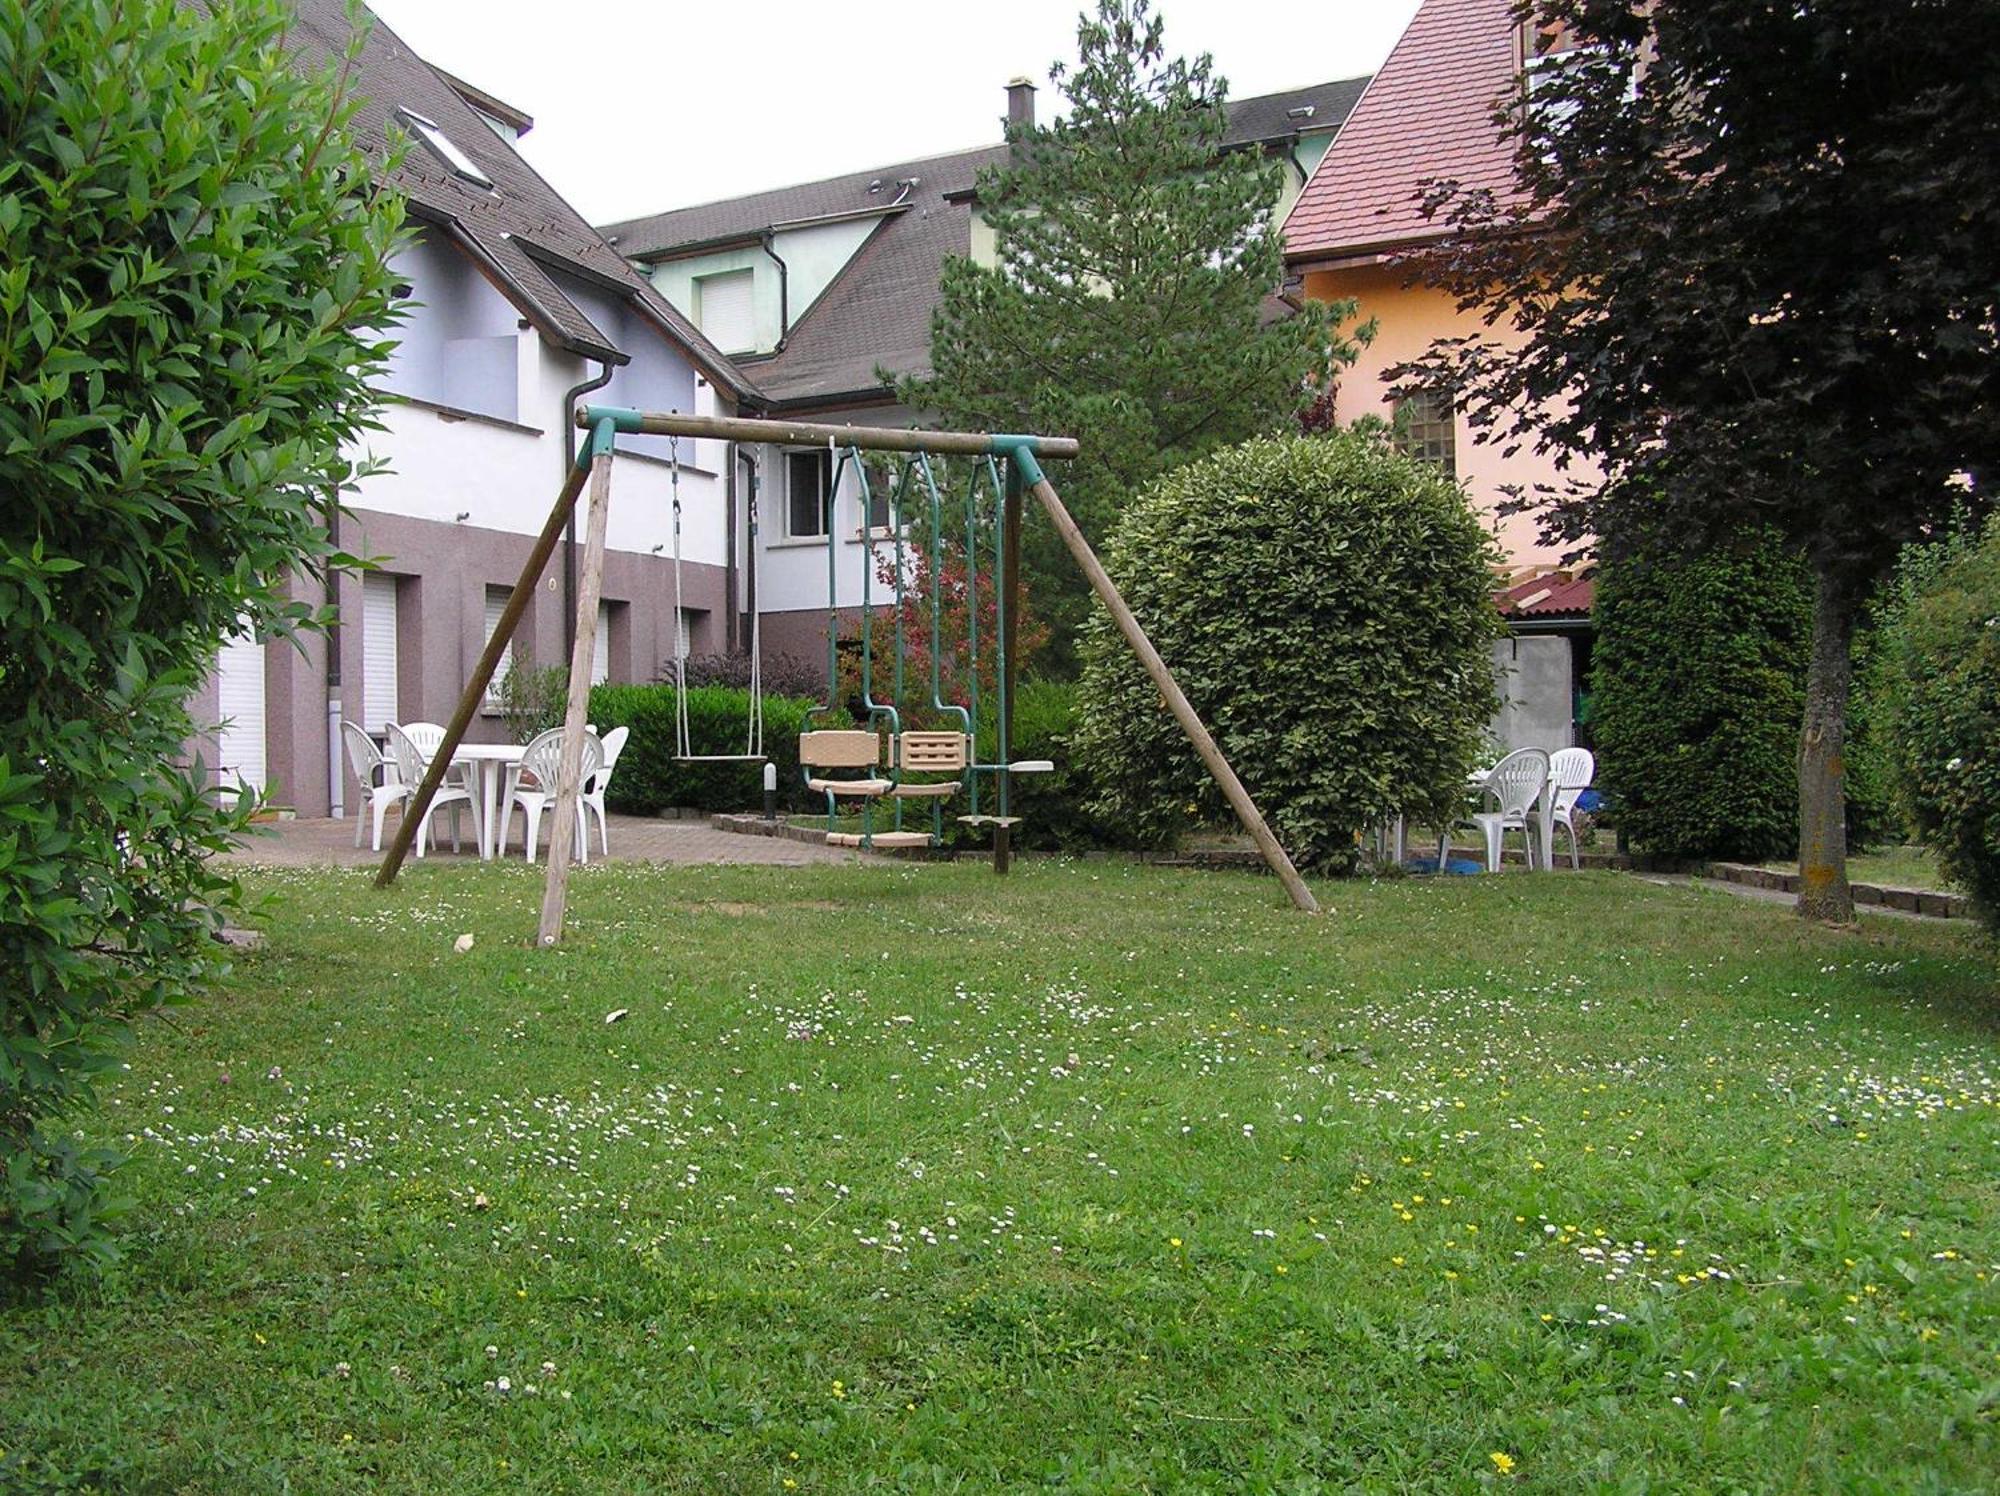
point(442, 143)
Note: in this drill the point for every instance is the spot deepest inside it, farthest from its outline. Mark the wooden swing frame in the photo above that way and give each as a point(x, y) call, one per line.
point(604, 423)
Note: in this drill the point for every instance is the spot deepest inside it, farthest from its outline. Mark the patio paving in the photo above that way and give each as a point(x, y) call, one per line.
point(325, 842)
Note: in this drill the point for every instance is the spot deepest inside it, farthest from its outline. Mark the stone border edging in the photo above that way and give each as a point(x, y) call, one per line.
point(1930, 901)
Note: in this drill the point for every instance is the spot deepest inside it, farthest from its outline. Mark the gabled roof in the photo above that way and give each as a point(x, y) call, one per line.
point(1427, 115)
point(877, 311)
point(505, 229)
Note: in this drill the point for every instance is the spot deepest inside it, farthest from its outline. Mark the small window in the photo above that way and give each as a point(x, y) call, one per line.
point(724, 310)
point(1424, 429)
point(806, 498)
point(496, 604)
point(600, 646)
point(446, 148)
point(689, 624)
point(880, 513)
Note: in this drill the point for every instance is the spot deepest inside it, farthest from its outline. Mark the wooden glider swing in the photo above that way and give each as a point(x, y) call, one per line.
point(844, 764)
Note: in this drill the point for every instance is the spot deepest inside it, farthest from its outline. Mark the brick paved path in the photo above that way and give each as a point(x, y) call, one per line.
point(324, 842)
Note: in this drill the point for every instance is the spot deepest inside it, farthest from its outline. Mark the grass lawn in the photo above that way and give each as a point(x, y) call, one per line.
point(1891, 867)
point(1100, 1178)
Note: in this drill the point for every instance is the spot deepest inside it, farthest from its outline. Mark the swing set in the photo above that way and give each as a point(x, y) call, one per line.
point(843, 762)
point(939, 763)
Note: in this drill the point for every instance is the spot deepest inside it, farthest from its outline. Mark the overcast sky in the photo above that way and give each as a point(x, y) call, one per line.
point(641, 105)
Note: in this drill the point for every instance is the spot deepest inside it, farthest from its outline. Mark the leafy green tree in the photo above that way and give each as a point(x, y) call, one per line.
point(1327, 605)
point(1137, 260)
point(188, 249)
point(1938, 704)
point(1753, 245)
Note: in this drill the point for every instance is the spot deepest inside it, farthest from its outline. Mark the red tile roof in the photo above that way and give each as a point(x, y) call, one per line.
point(1552, 595)
point(1427, 114)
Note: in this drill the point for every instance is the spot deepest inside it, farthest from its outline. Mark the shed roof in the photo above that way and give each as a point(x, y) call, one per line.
point(1552, 595)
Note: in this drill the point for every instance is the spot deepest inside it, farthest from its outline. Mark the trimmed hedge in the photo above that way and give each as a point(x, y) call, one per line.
point(1327, 605)
point(1939, 698)
point(648, 780)
point(1699, 691)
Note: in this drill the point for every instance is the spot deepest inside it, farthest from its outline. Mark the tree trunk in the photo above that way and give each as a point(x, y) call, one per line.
point(1823, 889)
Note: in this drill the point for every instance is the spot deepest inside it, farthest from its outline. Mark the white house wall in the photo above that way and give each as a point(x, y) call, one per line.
point(452, 517)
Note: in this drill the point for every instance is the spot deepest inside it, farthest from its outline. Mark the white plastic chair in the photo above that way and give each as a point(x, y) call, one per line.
point(367, 762)
point(595, 786)
point(1517, 782)
point(1570, 773)
point(531, 784)
point(412, 762)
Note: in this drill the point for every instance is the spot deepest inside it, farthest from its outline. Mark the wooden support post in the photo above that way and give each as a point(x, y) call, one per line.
point(569, 771)
point(1191, 723)
point(482, 676)
point(1010, 634)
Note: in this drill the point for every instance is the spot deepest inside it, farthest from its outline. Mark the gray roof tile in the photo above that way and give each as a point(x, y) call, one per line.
point(877, 312)
point(491, 224)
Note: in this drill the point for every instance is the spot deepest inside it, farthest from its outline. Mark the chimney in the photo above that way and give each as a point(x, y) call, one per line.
point(1020, 103)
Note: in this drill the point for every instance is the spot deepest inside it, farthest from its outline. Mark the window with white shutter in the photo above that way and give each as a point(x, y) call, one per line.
point(378, 651)
point(600, 647)
point(240, 702)
point(725, 309)
point(496, 604)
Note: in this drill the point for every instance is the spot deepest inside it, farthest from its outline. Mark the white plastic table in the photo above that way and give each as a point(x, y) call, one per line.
point(490, 761)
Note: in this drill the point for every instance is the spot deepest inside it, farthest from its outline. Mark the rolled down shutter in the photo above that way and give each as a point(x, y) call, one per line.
point(378, 651)
point(726, 310)
point(240, 700)
point(600, 647)
point(496, 604)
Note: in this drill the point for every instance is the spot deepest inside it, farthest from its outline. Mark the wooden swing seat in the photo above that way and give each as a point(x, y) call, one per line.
point(989, 820)
point(864, 789)
point(925, 791)
point(879, 839)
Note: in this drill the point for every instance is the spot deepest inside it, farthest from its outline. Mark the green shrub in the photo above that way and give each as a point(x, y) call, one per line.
point(187, 245)
point(1327, 605)
point(648, 780)
point(1698, 693)
point(533, 699)
point(1939, 706)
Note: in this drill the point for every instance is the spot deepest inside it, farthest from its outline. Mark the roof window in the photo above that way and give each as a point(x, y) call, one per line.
point(438, 141)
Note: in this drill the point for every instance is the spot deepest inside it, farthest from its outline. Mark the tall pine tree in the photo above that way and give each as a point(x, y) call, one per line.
point(1132, 303)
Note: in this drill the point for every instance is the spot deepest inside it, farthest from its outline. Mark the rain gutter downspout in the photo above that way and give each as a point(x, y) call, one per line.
point(569, 537)
point(335, 782)
point(770, 247)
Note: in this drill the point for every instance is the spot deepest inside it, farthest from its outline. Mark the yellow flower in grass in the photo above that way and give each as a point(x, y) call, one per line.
point(1502, 1461)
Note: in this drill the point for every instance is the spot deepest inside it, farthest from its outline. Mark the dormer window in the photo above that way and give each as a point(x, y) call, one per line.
point(1547, 49)
point(447, 150)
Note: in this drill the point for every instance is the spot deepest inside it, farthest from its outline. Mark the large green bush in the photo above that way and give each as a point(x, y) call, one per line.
point(1327, 605)
point(649, 781)
point(1699, 689)
point(188, 244)
point(1938, 675)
